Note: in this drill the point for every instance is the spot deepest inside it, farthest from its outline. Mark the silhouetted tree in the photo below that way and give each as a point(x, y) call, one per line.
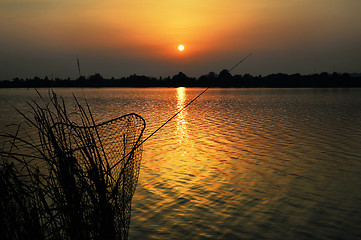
point(96, 77)
point(180, 80)
point(95, 80)
point(224, 75)
point(81, 78)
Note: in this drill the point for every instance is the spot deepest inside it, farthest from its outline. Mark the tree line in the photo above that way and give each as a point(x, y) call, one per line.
point(212, 79)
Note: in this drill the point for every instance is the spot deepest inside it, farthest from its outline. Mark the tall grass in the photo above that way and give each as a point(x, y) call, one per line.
point(67, 179)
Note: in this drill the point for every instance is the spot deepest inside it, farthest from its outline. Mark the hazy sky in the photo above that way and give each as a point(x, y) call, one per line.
point(122, 37)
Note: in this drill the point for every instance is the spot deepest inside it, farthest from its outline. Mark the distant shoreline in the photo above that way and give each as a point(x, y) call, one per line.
point(223, 80)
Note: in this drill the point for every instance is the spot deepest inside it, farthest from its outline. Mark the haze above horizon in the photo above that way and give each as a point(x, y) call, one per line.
point(119, 38)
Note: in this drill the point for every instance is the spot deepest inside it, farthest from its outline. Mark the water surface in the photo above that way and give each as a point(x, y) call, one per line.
point(238, 163)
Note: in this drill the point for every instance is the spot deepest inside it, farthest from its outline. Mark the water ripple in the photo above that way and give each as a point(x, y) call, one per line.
point(241, 163)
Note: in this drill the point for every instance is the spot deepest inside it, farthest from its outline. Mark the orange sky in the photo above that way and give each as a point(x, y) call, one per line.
point(118, 38)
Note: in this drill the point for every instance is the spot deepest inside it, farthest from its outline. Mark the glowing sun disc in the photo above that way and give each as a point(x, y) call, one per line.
point(180, 47)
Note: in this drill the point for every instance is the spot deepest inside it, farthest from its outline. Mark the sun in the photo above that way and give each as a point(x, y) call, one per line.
point(180, 47)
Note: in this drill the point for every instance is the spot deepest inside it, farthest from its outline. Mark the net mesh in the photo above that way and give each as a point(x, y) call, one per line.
point(112, 148)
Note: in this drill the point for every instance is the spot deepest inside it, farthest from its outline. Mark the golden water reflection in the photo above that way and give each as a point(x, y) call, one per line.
point(182, 116)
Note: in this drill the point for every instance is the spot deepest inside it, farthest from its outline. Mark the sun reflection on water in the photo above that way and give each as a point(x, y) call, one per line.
point(182, 116)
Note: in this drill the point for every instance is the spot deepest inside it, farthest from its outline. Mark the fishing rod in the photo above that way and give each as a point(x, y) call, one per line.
point(239, 62)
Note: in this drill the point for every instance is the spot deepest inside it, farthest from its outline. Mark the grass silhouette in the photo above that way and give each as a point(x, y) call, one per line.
point(66, 179)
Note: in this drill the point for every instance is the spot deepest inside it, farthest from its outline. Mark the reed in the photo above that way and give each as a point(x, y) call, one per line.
point(67, 179)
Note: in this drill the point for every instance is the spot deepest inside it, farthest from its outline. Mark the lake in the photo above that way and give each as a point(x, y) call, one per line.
point(237, 163)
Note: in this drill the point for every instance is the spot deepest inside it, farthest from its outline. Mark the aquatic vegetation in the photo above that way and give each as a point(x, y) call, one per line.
point(65, 177)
